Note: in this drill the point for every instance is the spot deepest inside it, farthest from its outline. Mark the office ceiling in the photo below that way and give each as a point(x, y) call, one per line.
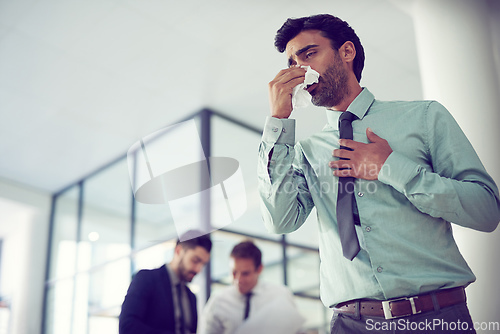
point(81, 81)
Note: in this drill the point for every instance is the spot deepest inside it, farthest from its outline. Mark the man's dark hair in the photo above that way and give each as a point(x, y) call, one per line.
point(331, 27)
point(247, 250)
point(193, 238)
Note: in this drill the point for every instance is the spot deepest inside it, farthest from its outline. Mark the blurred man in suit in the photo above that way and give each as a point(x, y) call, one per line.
point(158, 300)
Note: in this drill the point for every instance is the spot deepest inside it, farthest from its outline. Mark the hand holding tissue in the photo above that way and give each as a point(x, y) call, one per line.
point(300, 96)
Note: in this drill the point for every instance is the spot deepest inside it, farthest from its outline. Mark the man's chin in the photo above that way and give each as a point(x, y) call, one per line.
point(318, 103)
point(326, 103)
point(188, 278)
point(316, 99)
point(242, 291)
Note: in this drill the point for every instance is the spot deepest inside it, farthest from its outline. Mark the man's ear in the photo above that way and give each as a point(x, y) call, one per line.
point(177, 250)
point(347, 51)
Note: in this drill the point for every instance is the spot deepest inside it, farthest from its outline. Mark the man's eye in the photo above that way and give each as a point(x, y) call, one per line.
point(309, 54)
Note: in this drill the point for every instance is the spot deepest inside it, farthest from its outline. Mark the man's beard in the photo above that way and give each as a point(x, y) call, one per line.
point(184, 274)
point(332, 88)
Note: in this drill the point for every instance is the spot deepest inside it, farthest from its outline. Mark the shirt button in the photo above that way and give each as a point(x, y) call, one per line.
point(380, 269)
point(368, 229)
point(360, 194)
point(275, 129)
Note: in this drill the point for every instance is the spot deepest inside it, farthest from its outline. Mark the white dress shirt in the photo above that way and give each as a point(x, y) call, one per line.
point(224, 311)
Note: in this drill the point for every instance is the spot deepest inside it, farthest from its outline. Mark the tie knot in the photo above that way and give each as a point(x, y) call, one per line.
point(345, 125)
point(347, 116)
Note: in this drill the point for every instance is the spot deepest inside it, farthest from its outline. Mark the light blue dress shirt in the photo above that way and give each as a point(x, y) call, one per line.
point(433, 177)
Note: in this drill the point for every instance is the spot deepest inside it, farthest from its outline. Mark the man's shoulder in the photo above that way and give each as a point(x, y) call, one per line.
point(385, 103)
point(144, 273)
point(153, 270)
point(402, 104)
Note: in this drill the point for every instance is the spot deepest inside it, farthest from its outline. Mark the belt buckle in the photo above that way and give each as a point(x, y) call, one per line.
point(386, 305)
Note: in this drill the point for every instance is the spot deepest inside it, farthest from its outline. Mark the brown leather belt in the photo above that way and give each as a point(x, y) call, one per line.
point(402, 307)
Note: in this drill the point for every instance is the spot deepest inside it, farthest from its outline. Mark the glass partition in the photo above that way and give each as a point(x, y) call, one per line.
point(241, 144)
point(62, 258)
point(153, 223)
point(101, 236)
point(105, 225)
point(64, 234)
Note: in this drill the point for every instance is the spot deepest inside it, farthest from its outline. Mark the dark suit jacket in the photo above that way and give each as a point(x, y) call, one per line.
point(148, 307)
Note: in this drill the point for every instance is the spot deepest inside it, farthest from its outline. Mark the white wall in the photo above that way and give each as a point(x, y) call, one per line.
point(24, 222)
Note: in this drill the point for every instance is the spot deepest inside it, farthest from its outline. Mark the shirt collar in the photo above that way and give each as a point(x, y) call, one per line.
point(358, 107)
point(257, 289)
point(174, 279)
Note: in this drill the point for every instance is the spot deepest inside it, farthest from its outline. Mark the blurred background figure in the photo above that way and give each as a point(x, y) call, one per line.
point(250, 305)
point(158, 300)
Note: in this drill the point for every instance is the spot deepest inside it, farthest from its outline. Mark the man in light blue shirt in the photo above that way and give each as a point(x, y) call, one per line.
point(415, 174)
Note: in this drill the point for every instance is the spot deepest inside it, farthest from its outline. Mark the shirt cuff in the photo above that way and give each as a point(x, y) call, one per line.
point(279, 131)
point(397, 171)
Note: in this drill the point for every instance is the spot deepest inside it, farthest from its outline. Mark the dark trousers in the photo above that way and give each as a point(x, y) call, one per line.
point(452, 319)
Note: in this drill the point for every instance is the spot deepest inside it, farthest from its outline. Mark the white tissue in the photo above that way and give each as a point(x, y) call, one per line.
point(300, 96)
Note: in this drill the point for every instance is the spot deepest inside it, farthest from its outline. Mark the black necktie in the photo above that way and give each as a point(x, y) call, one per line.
point(179, 298)
point(247, 305)
point(345, 197)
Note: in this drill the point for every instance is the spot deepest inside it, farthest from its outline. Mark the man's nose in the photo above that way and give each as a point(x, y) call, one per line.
point(302, 63)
